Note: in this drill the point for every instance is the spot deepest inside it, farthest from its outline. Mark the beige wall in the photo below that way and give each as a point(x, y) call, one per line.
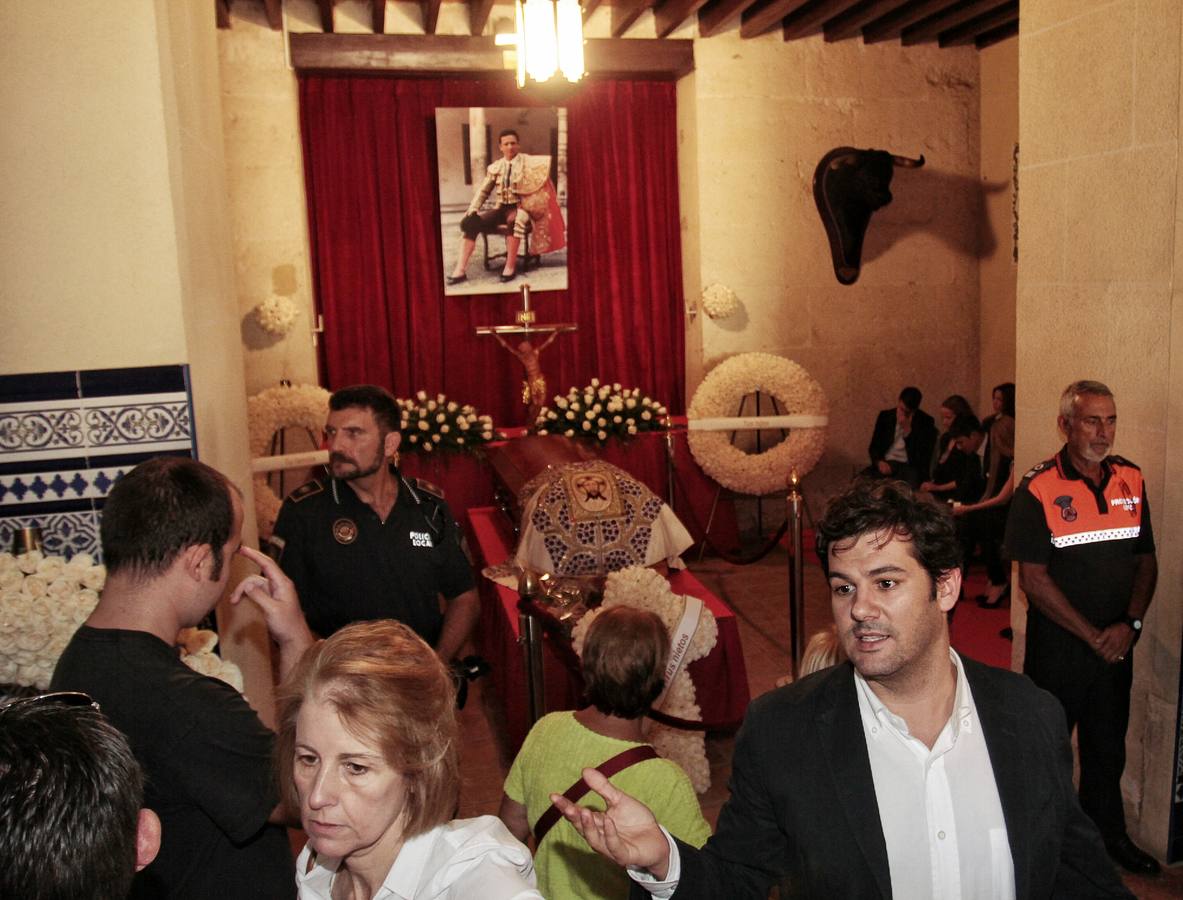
point(111, 158)
point(755, 118)
point(997, 269)
point(1100, 259)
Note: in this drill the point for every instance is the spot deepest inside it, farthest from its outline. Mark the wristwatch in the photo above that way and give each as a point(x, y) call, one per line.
point(1135, 624)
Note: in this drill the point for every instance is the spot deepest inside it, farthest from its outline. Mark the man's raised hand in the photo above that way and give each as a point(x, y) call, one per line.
point(274, 593)
point(625, 833)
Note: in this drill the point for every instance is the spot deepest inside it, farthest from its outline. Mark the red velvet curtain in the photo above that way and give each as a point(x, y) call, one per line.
point(373, 209)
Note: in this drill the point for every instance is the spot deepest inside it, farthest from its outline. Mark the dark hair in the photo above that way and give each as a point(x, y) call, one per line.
point(505, 131)
point(388, 686)
point(161, 507)
point(911, 397)
point(964, 426)
point(71, 792)
point(1007, 389)
point(624, 656)
point(958, 405)
point(874, 505)
point(377, 400)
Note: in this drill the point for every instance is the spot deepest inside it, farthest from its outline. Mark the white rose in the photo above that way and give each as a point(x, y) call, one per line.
point(586, 425)
point(595, 382)
point(94, 578)
point(460, 440)
point(601, 435)
point(601, 421)
point(560, 402)
point(34, 586)
point(444, 429)
point(413, 438)
point(7, 561)
point(431, 405)
point(632, 429)
point(440, 398)
point(424, 424)
point(617, 420)
point(51, 567)
point(88, 599)
point(10, 580)
point(452, 407)
point(28, 562)
point(421, 396)
point(428, 446)
point(569, 433)
point(630, 403)
point(60, 588)
point(616, 387)
point(440, 417)
point(462, 424)
point(435, 438)
point(646, 415)
point(570, 414)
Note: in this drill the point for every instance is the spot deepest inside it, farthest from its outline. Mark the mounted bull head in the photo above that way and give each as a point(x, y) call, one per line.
point(849, 185)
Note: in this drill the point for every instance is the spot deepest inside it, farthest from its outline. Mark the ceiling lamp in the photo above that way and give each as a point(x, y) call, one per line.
point(549, 39)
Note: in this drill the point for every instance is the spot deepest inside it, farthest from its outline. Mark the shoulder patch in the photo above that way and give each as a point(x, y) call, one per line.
point(1122, 461)
point(306, 490)
point(427, 487)
point(1039, 467)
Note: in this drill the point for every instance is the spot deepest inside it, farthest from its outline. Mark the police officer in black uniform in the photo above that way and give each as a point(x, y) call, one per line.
point(365, 543)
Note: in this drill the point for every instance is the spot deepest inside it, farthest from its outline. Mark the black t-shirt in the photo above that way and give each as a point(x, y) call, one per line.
point(207, 761)
point(349, 566)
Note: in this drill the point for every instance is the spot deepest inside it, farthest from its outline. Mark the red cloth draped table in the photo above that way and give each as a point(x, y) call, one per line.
point(720, 678)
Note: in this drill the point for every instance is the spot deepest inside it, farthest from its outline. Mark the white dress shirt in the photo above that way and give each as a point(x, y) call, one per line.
point(939, 809)
point(460, 859)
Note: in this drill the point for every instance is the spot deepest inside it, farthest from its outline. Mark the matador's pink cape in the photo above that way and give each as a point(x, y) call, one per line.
point(540, 200)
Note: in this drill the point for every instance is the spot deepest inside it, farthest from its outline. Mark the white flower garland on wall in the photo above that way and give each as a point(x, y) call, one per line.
point(719, 396)
point(298, 406)
point(276, 315)
point(719, 301)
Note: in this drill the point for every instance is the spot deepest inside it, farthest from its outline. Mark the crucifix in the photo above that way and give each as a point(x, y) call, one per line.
point(534, 387)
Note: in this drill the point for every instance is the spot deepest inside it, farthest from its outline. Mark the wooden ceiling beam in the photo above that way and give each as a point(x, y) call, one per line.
point(764, 15)
point(589, 7)
point(444, 55)
point(717, 13)
point(478, 16)
point(892, 25)
point(848, 24)
point(326, 15)
point(929, 29)
point(624, 13)
point(378, 16)
point(274, 11)
point(431, 15)
point(990, 38)
point(968, 33)
point(808, 19)
point(222, 13)
point(669, 14)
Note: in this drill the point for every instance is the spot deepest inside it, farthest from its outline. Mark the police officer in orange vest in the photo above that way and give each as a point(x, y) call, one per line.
point(1079, 527)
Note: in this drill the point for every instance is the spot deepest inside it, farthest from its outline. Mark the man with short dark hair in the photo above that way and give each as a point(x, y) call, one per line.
point(366, 543)
point(71, 798)
point(907, 771)
point(903, 441)
point(169, 528)
point(1080, 531)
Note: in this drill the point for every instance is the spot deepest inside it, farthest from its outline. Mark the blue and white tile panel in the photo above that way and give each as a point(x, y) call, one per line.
point(66, 437)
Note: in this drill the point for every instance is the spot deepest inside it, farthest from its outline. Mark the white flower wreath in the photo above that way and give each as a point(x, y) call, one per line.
point(719, 301)
point(719, 395)
point(298, 406)
point(645, 588)
point(276, 315)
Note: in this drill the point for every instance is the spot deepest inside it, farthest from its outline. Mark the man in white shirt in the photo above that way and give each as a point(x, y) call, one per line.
point(907, 772)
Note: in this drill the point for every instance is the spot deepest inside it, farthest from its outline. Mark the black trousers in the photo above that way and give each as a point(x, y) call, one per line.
point(1096, 701)
point(985, 528)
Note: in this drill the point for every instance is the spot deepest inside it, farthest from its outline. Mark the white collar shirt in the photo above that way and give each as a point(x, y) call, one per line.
point(898, 451)
point(939, 809)
point(457, 860)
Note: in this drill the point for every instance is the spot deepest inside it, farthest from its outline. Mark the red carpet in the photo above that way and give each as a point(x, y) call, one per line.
point(975, 631)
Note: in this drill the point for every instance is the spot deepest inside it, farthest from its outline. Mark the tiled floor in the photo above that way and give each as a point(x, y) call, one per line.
point(758, 595)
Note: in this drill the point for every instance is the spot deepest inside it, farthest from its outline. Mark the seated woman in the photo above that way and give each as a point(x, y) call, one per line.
point(950, 460)
point(367, 753)
point(624, 658)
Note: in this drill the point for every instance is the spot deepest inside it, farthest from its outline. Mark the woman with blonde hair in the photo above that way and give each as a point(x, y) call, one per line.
point(367, 753)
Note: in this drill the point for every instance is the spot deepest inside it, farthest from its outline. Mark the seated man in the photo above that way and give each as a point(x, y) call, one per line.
point(907, 771)
point(903, 441)
point(72, 796)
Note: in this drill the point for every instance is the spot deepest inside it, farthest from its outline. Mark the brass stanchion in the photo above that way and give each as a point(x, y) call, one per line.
point(796, 503)
point(530, 637)
point(669, 463)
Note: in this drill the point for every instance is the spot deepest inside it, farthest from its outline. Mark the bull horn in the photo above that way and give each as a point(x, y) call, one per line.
point(905, 163)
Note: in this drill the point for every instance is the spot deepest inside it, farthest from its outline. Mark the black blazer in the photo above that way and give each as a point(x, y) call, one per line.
point(920, 443)
point(803, 812)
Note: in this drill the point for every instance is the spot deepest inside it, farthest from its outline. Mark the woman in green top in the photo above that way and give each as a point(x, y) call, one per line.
point(624, 657)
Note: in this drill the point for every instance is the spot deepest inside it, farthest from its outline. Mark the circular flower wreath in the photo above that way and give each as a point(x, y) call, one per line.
point(719, 301)
point(719, 395)
point(298, 406)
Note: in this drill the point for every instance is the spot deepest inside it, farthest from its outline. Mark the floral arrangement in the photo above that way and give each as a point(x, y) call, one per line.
point(43, 600)
point(601, 411)
point(269, 411)
point(197, 652)
point(644, 588)
point(719, 301)
point(437, 423)
point(719, 396)
point(276, 315)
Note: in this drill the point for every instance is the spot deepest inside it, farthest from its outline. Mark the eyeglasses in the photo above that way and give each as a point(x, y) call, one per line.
point(55, 698)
